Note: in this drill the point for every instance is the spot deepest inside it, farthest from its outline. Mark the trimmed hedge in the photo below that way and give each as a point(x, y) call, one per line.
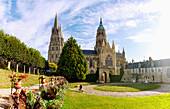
point(116, 78)
point(51, 74)
point(93, 77)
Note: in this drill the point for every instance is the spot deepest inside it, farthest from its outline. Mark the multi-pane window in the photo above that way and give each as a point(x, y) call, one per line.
point(137, 70)
point(145, 70)
point(168, 73)
point(134, 70)
point(153, 69)
point(109, 61)
point(159, 69)
point(90, 62)
point(148, 70)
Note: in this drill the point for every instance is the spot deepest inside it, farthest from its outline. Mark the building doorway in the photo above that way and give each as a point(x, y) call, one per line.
point(104, 77)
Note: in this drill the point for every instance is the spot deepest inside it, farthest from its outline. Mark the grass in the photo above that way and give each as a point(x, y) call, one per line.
point(73, 85)
point(5, 81)
point(76, 100)
point(127, 87)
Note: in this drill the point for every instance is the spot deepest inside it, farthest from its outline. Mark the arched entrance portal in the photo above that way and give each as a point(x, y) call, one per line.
point(104, 77)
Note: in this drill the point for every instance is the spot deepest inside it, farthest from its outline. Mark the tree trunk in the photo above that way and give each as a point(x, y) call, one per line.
point(29, 70)
point(34, 70)
point(9, 63)
point(37, 70)
point(17, 68)
point(24, 68)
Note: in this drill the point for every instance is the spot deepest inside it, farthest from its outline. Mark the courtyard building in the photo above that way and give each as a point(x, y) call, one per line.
point(154, 71)
point(102, 57)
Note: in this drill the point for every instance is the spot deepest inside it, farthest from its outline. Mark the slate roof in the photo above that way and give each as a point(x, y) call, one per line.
point(89, 52)
point(156, 63)
point(118, 54)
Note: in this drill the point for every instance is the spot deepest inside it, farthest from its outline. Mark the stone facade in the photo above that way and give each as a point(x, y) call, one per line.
point(148, 71)
point(56, 43)
point(103, 56)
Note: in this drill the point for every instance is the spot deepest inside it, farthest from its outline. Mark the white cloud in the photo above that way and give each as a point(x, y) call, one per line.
point(131, 23)
point(79, 18)
point(2, 9)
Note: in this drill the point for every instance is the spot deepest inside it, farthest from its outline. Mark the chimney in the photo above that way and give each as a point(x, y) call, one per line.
point(150, 59)
point(132, 61)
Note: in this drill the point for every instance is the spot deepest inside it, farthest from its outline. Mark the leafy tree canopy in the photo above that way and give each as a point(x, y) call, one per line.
point(72, 63)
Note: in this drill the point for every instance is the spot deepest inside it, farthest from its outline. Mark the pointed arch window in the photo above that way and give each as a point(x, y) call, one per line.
point(90, 62)
point(109, 61)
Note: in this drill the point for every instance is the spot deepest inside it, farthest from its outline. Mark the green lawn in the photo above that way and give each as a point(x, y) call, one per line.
point(76, 100)
point(5, 81)
point(127, 87)
point(73, 85)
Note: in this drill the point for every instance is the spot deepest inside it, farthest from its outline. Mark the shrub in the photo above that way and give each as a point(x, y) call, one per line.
point(116, 78)
point(93, 77)
point(51, 74)
point(8, 69)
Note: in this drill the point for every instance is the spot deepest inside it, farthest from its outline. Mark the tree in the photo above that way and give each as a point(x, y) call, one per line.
point(2, 38)
point(30, 58)
point(53, 66)
point(24, 54)
point(72, 63)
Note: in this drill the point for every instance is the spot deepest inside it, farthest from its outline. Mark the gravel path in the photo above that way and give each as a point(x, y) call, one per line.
point(165, 88)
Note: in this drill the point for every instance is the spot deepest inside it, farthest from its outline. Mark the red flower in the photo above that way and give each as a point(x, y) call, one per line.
point(25, 90)
point(46, 85)
point(33, 91)
point(58, 106)
point(46, 81)
point(24, 76)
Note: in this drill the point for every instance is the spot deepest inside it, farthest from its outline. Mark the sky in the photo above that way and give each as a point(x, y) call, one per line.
point(140, 26)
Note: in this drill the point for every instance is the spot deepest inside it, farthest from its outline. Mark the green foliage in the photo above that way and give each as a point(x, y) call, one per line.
point(12, 49)
point(72, 63)
point(93, 77)
point(51, 74)
point(8, 69)
point(116, 78)
point(53, 65)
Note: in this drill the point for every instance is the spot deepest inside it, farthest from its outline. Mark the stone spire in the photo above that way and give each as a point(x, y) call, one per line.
point(101, 21)
point(123, 53)
point(56, 22)
point(60, 30)
point(113, 45)
point(101, 25)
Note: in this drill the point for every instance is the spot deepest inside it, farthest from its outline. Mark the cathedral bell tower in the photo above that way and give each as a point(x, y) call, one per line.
point(56, 43)
point(100, 37)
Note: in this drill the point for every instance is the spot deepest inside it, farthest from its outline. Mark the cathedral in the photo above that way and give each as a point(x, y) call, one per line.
point(103, 56)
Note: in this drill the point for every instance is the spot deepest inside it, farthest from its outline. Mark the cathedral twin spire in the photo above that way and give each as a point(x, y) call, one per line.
point(56, 29)
point(56, 22)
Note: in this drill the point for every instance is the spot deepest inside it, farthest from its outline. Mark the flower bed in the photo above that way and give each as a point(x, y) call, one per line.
point(49, 97)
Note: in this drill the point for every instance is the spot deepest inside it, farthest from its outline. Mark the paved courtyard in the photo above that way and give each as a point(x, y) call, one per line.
point(165, 88)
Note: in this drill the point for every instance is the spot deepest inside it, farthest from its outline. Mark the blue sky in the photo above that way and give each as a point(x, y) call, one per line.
point(140, 26)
